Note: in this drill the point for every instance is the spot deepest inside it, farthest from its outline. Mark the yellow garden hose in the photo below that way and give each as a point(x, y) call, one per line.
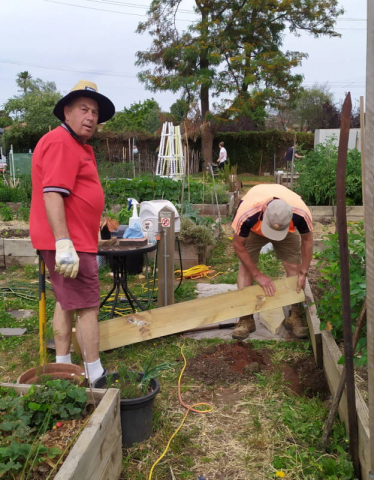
point(189, 408)
point(198, 271)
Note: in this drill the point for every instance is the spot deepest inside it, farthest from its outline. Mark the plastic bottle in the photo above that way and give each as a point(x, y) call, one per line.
point(135, 217)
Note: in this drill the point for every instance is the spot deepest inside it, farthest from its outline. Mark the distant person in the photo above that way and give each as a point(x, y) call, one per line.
point(66, 207)
point(289, 154)
point(272, 213)
point(222, 156)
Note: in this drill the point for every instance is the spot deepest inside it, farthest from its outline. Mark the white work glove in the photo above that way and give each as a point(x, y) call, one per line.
point(67, 260)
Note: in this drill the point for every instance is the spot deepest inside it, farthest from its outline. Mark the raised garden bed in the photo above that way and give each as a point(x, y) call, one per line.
point(327, 353)
point(97, 453)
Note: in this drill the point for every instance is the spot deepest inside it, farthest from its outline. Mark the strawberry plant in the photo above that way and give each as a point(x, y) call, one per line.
point(23, 419)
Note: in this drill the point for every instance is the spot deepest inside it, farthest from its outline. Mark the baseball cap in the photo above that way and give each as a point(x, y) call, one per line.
point(276, 220)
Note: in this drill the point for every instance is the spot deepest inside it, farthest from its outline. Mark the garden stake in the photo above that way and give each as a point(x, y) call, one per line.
point(42, 314)
point(345, 287)
point(339, 391)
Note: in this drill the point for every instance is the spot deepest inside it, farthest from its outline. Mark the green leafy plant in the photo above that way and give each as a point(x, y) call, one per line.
point(133, 384)
point(199, 235)
point(23, 214)
point(23, 419)
point(317, 176)
point(6, 213)
point(330, 303)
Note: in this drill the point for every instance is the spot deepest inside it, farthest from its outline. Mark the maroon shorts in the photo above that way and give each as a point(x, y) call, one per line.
point(75, 293)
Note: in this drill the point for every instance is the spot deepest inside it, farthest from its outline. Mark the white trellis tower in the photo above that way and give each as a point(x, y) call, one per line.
point(170, 161)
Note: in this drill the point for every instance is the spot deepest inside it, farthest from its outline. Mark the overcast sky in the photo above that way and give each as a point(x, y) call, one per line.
point(68, 40)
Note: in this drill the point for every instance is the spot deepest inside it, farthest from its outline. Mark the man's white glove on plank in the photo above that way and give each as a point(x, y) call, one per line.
point(67, 260)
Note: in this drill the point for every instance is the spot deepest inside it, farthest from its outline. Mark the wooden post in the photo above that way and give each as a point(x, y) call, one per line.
point(369, 219)
point(166, 219)
point(362, 126)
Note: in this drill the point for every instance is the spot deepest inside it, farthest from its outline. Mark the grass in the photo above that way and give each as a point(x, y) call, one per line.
point(258, 427)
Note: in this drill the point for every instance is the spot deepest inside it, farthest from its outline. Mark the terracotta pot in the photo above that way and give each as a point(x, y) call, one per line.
point(61, 371)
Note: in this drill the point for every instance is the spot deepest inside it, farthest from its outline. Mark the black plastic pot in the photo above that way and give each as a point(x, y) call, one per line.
point(136, 413)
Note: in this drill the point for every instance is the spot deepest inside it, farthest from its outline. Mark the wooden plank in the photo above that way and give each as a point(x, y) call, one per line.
point(12, 332)
point(331, 355)
point(10, 261)
point(176, 318)
point(113, 468)
point(272, 319)
point(18, 247)
point(314, 325)
point(91, 453)
point(2, 259)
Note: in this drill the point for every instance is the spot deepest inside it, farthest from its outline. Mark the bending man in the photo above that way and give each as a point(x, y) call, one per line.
point(272, 213)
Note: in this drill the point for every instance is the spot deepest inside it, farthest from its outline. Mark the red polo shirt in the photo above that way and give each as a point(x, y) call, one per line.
point(62, 164)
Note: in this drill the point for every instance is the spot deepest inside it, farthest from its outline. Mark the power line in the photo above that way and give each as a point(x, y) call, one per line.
point(105, 10)
point(108, 74)
point(134, 5)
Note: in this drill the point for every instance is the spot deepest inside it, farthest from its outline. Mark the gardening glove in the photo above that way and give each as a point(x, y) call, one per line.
point(67, 260)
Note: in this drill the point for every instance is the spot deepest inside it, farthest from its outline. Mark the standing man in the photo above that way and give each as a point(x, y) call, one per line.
point(291, 155)
point(66, 207)
point(272, 213)
point(222, 155)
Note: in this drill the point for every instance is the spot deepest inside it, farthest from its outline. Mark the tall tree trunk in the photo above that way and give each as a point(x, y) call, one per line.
point(207, 138)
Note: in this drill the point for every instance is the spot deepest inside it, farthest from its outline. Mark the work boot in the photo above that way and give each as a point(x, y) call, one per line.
point(295, 324)
point(244, 327)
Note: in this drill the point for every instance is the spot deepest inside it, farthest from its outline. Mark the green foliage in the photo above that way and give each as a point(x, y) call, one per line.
point(330, 303)
point(115, 170)
point(133, 385)
point(250, 150)
point(303, 421)
point(140, 117)
point(233, 48)
point(199, 235)
point(146, 188)
point(32, 114)
point(314, 108)
point(317, 180)
point(179, 110)
point(23, 213)
point(6, 213)
point(5, 120)
point(23, 419)
point(123, 216)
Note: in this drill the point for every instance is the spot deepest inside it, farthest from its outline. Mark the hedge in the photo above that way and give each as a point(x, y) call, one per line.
point(253, 152)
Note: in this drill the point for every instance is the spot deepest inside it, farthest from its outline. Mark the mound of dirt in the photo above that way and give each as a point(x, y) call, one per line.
point(229, 363)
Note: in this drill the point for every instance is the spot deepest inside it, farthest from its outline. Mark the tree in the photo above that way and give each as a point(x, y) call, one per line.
point(233, 49)
point(142, 117)
point(32, 113)
point(23, 81)
point(179, 110)
point(314, 108)
point(5, 120)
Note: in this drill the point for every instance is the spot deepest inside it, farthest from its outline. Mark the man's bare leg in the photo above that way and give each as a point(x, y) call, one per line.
point(62, 325)
point(87, 327)
point(245, 278)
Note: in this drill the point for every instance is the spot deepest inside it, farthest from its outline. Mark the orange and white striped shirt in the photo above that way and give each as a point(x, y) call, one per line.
point(249, 214)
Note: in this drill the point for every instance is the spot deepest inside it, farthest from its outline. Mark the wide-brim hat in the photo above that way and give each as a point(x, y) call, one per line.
point(276, 220)
point(84, 88)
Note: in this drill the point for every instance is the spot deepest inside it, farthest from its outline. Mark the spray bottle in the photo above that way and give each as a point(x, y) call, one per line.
point(134, 218)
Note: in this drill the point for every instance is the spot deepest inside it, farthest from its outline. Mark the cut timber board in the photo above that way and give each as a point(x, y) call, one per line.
point(272, 319)
point(177, 318)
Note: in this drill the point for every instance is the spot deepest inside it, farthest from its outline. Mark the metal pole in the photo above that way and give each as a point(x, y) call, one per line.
point(362, 126)
point(369, 219)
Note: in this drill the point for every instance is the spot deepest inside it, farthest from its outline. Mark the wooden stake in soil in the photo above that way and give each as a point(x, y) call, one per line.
point(345, 287)
point(339, 391)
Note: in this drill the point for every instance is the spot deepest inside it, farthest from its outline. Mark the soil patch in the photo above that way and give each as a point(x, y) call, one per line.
point(14, 229)
point(229, 363)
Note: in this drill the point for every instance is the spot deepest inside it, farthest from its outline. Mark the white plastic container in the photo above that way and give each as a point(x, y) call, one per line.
point(149, 215)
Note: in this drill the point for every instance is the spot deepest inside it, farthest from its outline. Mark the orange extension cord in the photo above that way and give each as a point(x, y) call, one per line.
point(189, 408)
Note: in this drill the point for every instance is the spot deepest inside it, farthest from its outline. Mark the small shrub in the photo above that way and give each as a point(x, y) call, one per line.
point(199, 235)
point(6, 213)
point(23, 214)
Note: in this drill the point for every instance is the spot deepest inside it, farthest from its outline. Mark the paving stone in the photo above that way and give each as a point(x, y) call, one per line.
point(12, 332)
